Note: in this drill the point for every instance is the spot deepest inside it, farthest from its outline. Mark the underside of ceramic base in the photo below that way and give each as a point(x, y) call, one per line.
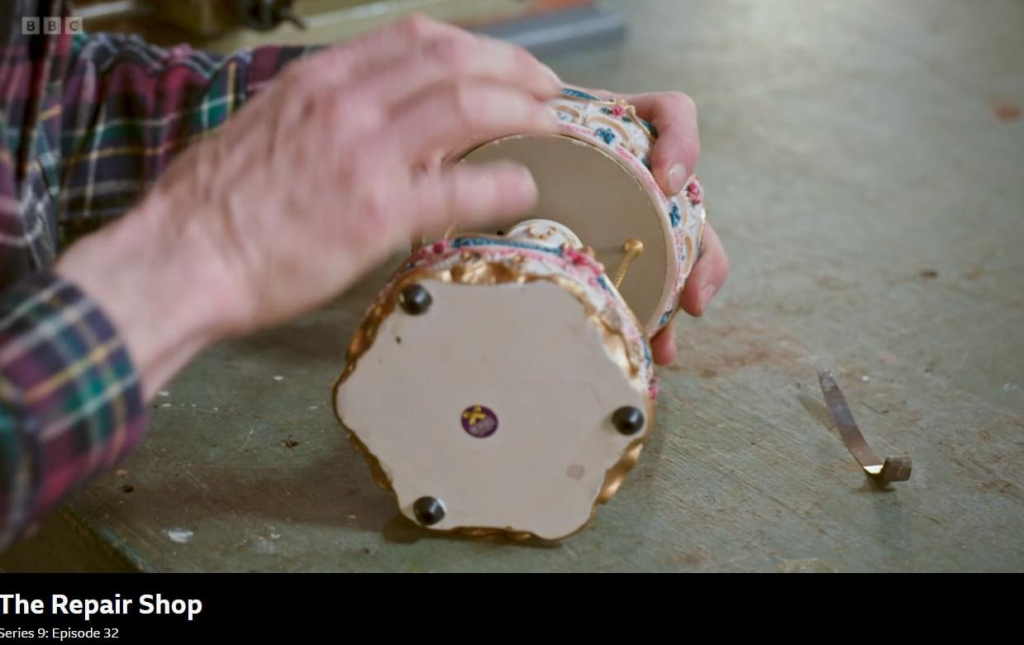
point(494, 407)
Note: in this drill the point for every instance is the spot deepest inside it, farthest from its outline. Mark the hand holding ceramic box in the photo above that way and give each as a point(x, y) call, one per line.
point(519, 375)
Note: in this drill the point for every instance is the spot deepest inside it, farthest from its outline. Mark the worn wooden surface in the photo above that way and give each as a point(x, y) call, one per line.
point(864, 164)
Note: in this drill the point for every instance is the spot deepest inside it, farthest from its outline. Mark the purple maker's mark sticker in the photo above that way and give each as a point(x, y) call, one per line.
point(479, 421)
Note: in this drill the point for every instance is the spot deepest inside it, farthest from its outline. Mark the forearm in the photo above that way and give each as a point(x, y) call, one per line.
point(83, 347)
point(155, 276)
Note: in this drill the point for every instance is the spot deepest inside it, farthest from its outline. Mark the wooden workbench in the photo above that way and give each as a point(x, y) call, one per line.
point(864, 165)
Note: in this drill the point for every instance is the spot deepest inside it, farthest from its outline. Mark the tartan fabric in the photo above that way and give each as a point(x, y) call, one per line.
point(87, 124)
point(70, 401)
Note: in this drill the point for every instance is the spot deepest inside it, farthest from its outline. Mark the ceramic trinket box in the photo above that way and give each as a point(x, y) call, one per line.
point(502, 381)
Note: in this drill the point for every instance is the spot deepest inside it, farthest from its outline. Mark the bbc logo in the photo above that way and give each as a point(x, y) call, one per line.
point(53, 25)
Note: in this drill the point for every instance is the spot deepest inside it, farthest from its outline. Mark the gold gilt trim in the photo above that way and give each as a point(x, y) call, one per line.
point(477, 271)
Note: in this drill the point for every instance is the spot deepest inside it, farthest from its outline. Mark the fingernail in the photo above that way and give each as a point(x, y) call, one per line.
point(676, 178)
point(706, 294)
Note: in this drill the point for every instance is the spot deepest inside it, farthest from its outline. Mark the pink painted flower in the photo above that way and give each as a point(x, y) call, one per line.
point(695, 192)
point(583, 261)
point(618, 110)
point(574, 256)
point(440, 246)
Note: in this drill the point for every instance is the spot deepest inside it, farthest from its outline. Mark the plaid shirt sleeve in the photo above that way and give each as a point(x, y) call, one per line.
point(70, 400)
point(128, 107)
point(89, 123)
